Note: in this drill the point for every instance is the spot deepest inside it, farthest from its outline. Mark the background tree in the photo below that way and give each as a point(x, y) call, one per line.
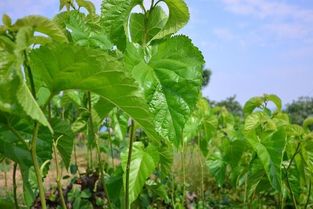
point(206, 76)
point(230, 103)
point(300, 109)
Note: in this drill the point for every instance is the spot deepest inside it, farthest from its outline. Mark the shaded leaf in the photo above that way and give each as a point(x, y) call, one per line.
point(143, 163)
point(178, 18)
point(114, 16)
point(62, 67)
point(43, 25)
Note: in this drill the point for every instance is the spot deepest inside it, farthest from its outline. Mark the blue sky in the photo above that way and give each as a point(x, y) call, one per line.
point(252, 46)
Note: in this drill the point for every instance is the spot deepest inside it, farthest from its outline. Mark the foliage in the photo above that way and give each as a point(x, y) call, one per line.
point(300, 109)
point(126, 87)
point(206, 77)
point(231, 104)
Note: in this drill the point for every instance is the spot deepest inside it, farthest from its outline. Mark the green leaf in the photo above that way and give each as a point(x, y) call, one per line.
point(42, 25)
point(65, 3)
point(114, 18)
point(307, 122)
point(114, 186)
point(84, 34)
point(255, 174)
point(8, 83)
point(144, 32)
point(6, 20)
point(88, 5)
point(71, 97)
point(63, 130)
point(171, 80)
point(275, 99)
point(233, 151)
point(143, 163)
point(254, 120)
point(166, 159)
point(119, 124)
point(217, 167)
point(178, 18)
point(270, 152)
point(62, 67)
point(10, 148)
point(15, 97)
point(258, 102)
point(30, 106)
point(251, 104)
point(101, 110)
point(23, 39)
point(137, 27)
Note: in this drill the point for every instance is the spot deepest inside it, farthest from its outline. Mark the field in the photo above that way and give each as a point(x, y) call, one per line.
point(106, 111)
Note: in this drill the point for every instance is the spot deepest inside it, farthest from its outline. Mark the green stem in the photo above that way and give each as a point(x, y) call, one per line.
point(97, 142)
point(33, 145)
point(101, 168)
point(15, 186)
point(111, 148)
point(152, 4)
point(246, 190)
point(294, 201)
point(282, 201)
point(75, 154)
point(173, 191)
point(184, 170)
point(37, 167)
point(30, 75)
point(58, 176)
point(90, 129)
point(157, 2)
point(202, 172)
point(130, 150)
point(309, 195)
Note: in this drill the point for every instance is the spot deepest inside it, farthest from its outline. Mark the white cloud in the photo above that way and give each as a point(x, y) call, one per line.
point(17, 8)
point(223, 34)
point(276, 19)
point(20, 8)
point(268, 9)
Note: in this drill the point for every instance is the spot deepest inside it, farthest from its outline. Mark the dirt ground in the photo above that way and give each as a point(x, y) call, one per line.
point(6, 178)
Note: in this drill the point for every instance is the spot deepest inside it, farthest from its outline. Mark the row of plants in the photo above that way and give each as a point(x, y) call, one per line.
point(127, 88)
point(120, 60)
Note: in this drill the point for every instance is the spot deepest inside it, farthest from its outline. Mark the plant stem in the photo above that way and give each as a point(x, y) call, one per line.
point(111, 147)
point(202, 172)
point(15, 186)
point(37, 167)
point(130, 150)
point(294, 155)
point(287, 178)
point(30, 75)
point(97, 142)
point(184, 170)
point(33, 145)
point(101, 168)
point(282, 201)
point(75, 154)
point(172, 191)
point(58, 177)
point(246, 190)
point(309, 195)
